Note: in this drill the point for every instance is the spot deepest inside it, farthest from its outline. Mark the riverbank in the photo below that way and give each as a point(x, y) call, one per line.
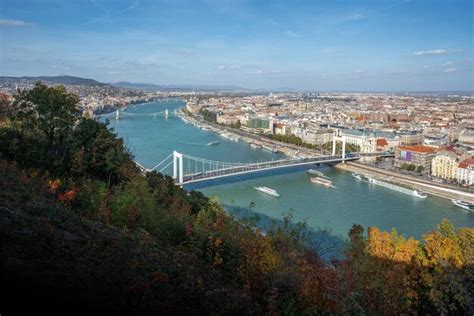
point(407, 181)
point(254, 140)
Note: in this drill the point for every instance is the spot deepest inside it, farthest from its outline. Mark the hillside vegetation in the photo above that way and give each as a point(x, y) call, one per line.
point(83, 230)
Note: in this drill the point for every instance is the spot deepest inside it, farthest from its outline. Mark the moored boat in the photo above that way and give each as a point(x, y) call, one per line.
point(463, 204)
point(322, 181)
point(268, 148)
point(372, 180)
point(268, 191)
point(420, 194)
point(357, 176)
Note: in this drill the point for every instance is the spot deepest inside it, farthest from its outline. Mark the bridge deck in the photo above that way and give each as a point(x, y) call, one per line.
point(239, 170)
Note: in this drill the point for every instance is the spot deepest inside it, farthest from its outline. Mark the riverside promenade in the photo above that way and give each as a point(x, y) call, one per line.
point(444, 191)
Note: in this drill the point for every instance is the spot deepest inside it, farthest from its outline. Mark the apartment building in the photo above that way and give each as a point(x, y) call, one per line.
point(417, 155)
point(444, 165)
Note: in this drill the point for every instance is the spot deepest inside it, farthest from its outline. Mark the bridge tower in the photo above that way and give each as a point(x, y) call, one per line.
point(117, 114)
point(178, 167)
point(343, 139)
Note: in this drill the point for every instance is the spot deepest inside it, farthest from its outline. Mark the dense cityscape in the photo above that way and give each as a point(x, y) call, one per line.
point(430, 135)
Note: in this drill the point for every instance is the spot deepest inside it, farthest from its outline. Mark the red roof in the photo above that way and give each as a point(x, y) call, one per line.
point(381, 142)
point(466, 163)
point(418, 149)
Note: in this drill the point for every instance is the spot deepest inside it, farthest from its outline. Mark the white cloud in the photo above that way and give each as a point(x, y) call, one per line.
point(430, 52)
point(228, 67)
point(15, 23)
point(354, 16)
point(452, 69)
point(448, 64)
point(270, 72)
point(292, 34)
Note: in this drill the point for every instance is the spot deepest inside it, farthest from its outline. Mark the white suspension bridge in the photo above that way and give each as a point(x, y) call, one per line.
point(119, 113)
point(186, 169)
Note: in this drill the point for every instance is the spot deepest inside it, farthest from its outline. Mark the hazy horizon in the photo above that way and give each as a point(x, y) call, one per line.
point(399, 45)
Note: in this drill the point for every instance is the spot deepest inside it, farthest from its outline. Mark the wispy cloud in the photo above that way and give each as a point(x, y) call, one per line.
point(430, 52)
point(228, 67)
point(399, 4)
point(354, 16)
point(270, 72)
point(451, 69)
point(14, 23)
point(448, 64)
point(108, 14)
point(291, 33)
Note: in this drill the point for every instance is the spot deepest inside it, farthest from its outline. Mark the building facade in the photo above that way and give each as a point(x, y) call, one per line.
point(465, 172)
point(444, 165)
point(414, 155)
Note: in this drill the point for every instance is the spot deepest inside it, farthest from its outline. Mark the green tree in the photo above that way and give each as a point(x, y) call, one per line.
point(420, 169)
point(55, 110)
point(411, 167)
point(98, 153)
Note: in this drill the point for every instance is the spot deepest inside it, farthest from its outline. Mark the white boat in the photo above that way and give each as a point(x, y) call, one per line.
point(213, 143)
point(268, 148)
point(322, 181)
point(463, 204)
point(268, 191)
point(255, 146)
point(357, 176)
point(419, 194)
point(234, 138)
point(388, 185)
point(372, 180)
point(315, 173)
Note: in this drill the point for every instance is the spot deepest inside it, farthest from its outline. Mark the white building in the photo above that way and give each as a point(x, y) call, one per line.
point(444, 165)
point(465, 172)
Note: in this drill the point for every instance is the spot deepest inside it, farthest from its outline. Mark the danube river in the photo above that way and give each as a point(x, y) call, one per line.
point(151, 139)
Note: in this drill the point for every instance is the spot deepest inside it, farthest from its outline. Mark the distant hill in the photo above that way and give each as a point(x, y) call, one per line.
point(205, 87)
point(133, 85)
point(69, 80)
point(186, 87)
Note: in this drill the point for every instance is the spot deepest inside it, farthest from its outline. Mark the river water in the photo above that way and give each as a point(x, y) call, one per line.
point(335, 210)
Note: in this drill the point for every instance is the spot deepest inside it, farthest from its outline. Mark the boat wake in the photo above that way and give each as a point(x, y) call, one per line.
point(193, 144)
point(213, 143)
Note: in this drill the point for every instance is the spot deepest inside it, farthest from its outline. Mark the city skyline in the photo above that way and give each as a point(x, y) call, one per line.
point(358, 46)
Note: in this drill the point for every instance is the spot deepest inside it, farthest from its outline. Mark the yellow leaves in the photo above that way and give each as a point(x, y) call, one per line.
point(442, 250)
point(391, 246)
point(54, 185)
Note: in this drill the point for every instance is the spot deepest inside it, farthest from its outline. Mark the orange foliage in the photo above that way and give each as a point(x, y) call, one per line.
point(54, 185)
point(66, 197)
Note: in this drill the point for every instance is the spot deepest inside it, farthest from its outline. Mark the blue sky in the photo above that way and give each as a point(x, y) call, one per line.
point(313, 45)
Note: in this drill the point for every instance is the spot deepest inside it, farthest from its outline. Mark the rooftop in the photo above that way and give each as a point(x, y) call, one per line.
point(466, 163)
point(418, 148)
